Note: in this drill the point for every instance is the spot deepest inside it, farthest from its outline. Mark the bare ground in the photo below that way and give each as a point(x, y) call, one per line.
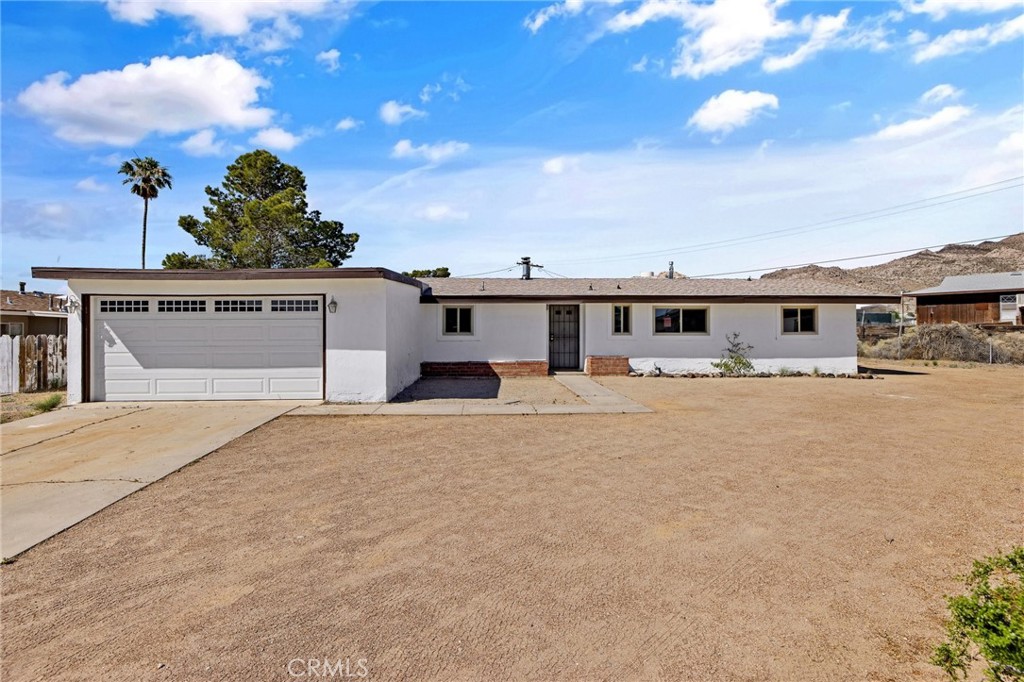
point(20, 405)
point(751, 529)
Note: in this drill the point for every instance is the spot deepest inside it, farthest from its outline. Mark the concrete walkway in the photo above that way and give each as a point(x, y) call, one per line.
point(64, 466)
point(599, 399)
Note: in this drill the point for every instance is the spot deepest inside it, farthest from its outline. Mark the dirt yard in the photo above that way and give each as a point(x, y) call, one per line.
point(750, 529)
point(20, 405)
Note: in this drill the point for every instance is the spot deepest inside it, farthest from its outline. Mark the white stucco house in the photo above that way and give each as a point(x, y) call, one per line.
point(364, 334)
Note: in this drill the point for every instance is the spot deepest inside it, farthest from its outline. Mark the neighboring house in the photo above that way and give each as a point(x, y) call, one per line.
point(973, 299)
point(25, 313)
point(364, 334)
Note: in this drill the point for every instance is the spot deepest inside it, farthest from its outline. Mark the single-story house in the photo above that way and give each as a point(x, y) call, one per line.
point(25, 313)
point(364, 334)
point(991, 298)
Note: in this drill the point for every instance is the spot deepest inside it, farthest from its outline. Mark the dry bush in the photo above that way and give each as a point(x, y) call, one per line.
point(949, 342)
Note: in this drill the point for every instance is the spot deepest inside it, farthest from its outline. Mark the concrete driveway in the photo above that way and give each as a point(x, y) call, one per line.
point(61, 467)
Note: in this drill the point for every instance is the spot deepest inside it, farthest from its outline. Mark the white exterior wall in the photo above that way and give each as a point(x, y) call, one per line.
point(501, 331)
point(833, 349)
point(356, 363)
point(403, 336)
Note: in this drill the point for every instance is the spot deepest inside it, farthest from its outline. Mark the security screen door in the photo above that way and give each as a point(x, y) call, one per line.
point(564, 335)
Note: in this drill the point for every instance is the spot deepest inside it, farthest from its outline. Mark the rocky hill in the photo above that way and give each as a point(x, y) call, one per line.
point(922, 269)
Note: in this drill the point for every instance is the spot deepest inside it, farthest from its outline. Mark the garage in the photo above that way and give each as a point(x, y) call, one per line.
point(223, 347)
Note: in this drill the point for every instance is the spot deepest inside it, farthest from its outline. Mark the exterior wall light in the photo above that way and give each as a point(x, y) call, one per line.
point(332, 307)
point(73, 305)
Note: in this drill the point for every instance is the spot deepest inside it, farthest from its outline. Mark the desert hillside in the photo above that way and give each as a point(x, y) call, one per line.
point(921, 269)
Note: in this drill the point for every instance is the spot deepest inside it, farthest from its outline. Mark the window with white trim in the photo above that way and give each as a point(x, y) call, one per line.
point(622, 319)
point(245, 305)
point(680, 320)
point(124, 306)
point(178, 305)
point(12, 329)
point(800, 320)
point(294, 305)
point(457, 320)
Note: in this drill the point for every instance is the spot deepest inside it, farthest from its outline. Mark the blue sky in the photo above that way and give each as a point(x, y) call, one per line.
point(602, 139)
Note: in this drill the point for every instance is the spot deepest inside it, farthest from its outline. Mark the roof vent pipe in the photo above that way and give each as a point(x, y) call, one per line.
point(21, 287)
point(671, 270)
point(527, 265)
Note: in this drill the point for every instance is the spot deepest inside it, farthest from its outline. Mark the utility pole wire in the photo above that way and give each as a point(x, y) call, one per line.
point(811, 227)
point(840, 260)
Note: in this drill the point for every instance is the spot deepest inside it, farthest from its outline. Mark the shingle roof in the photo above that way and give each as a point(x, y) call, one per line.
point(965, 284)
point(646, 287)
point(16, 301)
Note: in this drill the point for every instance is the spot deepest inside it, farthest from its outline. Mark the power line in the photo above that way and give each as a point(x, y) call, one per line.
point(840, 260)
point(481, 274)
point(889, 211)
point(551, 272)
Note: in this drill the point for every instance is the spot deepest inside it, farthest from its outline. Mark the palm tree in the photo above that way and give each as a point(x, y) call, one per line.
point(147, 177)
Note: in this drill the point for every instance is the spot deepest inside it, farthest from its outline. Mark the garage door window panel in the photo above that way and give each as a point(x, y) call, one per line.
point(238, 306)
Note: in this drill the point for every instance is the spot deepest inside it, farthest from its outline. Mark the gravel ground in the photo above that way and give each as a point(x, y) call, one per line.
point(751, 529)
point(530, 391)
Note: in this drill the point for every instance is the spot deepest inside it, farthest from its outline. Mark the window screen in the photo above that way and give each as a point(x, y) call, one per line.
point(622, 323)
point(458, 320)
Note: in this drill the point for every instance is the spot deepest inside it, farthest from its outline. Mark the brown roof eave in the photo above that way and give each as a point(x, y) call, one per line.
point(673, 298)
point(264, 274)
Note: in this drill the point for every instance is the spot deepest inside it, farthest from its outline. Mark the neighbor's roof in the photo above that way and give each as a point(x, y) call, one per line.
point(654, 288)
point(966, 284)
point(246, 274)
point(15, 301)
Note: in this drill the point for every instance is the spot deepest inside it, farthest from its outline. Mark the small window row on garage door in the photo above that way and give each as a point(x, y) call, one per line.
point(207, 347)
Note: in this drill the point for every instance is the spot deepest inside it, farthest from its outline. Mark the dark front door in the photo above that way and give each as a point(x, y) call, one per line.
point(564, 330)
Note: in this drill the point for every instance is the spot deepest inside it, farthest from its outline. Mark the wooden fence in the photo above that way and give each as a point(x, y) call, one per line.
point(33, 363)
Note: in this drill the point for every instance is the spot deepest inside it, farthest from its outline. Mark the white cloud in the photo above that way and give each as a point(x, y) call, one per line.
point(918, 127)
point(560, 164)
point(971, 40)
point(437, 213)
point(1012, 144)
point(823, 31)
point(452, 87)
point(639, 193)
point(941, 93)
point(428, 91)
point(277, 138)
point(434, 153)
point(730, 110)
point(719, 36)
point(395, 113)
point(536, 20)
point(639, 66)
point(916, 37)
point(722, 35)
point(263, 25)
point(329, 59)
point(90, 184)
point(169, 95)
point(203, 143)
point(841, 106)
point(938, 9)
point(348, 123)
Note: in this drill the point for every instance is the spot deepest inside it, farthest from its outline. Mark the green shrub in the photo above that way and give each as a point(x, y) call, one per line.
point(989, 619)
point(49, 403)
point(735, 360)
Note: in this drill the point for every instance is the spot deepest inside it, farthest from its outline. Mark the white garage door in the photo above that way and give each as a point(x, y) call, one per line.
point(207, 348)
